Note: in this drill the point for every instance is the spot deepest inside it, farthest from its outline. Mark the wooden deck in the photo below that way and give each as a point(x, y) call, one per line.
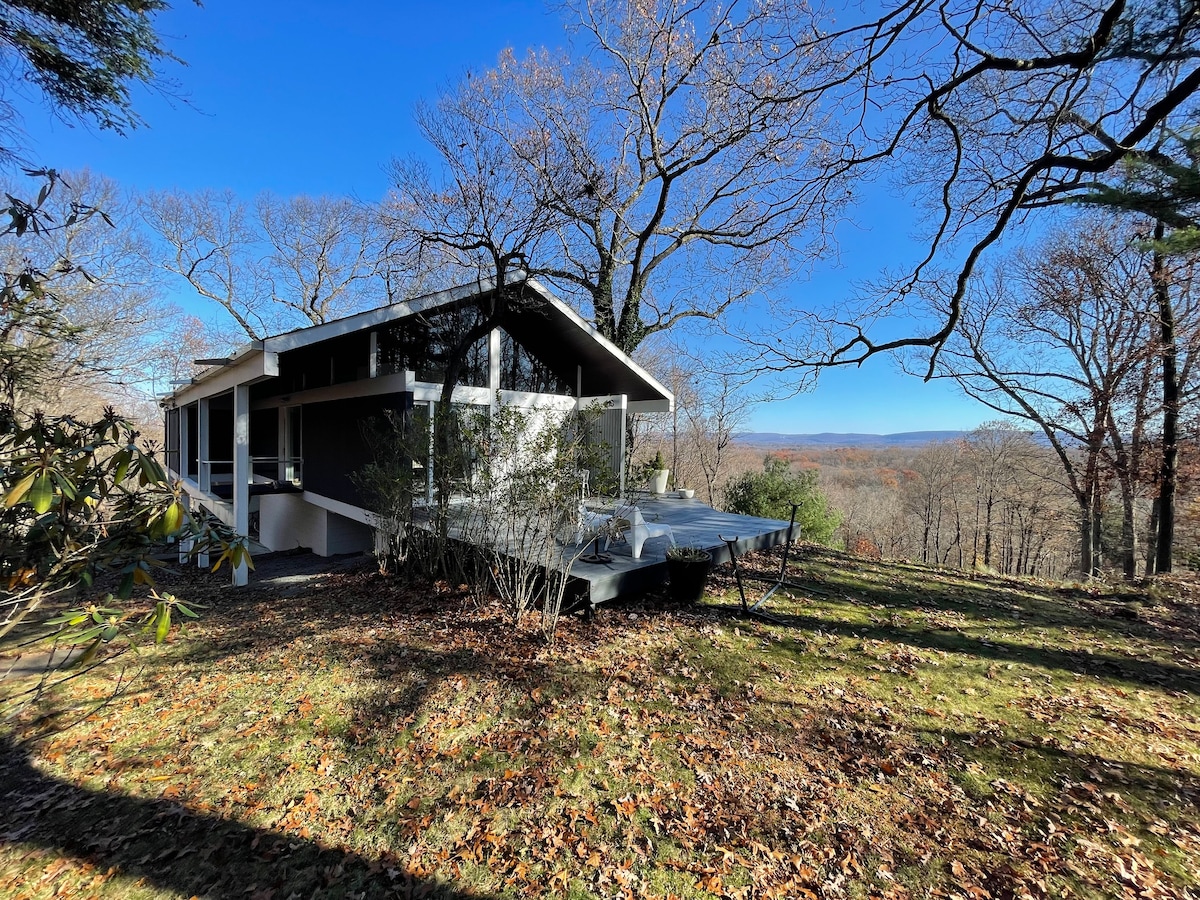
point(693, 523)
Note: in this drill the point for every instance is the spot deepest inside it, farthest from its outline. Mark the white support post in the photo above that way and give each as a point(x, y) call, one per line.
point(185, 545)
point(494, 366)
point(203, 471)
point(623, 405)
point(203, 454)
point(373, 361)
point(241, 472)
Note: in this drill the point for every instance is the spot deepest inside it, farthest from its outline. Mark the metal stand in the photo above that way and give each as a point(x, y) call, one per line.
point(775, 582)
point(596, 556)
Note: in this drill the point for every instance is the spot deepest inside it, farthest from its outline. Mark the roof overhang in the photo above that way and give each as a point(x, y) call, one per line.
point(249, 364)
point(561, 335)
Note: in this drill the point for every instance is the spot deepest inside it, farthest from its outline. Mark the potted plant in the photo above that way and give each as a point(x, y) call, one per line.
point(658, 473)
point(688, 570)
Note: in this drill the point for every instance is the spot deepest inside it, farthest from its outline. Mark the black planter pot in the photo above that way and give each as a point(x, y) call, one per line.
point(688, 578)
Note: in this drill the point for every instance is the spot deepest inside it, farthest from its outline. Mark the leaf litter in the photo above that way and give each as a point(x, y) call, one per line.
point(901, 733)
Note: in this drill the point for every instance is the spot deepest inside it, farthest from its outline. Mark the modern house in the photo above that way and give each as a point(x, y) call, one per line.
point(267, 440)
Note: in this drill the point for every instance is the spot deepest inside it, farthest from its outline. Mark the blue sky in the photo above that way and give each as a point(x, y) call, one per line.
point(315, 98)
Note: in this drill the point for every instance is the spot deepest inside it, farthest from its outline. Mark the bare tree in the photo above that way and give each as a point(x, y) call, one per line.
point(106, 296)
point(1063, 341)
point(664, 171)
point(988, 110)
point(997, 456)
point(1163, 185)
point(480, 215)
point(931, 497)
point(714, 411)
point(280, 263)
point(1176, 289)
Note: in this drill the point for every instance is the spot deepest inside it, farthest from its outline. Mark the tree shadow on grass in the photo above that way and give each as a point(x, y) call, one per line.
point(184, 851)
point(898, 584)
point(1088, 775)
point(1137, 672)
point(409, 650)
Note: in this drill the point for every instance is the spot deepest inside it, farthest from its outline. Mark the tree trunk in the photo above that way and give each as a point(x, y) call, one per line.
point(1128, 533)
point(1086, 557)
point(1152, 540)
point(987, 533)
point(1170, 369)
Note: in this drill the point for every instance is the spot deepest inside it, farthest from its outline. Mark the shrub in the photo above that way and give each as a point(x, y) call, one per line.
point(771, 493)
point(82, 500)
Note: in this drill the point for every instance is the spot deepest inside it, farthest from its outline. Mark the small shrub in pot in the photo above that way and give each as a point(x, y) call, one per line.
point(688, 569)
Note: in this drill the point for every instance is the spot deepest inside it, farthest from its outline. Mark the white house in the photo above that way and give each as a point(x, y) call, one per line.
point(267, 440)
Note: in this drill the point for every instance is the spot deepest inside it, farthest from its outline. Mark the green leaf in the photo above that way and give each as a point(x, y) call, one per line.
point(19, 490)
point(88, 654)
point(42, 494)
point(68, 618)
point(173, 518)
point(121, 460)
point(153, 470)
point(65, 485)
point(163, 614)
point(186, 611)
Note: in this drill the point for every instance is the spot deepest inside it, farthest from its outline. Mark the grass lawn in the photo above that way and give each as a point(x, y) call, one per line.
point(899, 732)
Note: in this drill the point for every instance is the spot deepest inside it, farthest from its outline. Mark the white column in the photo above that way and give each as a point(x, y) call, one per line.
point(241, 471)
point(204, 471)
point(623, 402)
point(494, 366)
point(373, 359)
point(185, 545)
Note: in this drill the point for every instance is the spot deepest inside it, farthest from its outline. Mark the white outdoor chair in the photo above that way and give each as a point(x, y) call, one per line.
point(640, 531)
point(589, 523)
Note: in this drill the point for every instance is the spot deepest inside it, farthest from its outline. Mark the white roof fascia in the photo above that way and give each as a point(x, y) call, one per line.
point(650, 406)
point(313, 334)
point(250, 364)
point(600, 339)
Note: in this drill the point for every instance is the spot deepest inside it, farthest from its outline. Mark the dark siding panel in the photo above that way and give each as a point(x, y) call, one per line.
point(171, 439)
point(264, 432)
point(193, 441)
point(220, 436)
point(334, 446)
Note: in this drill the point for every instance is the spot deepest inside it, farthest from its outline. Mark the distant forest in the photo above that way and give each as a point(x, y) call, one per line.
point(991, 499)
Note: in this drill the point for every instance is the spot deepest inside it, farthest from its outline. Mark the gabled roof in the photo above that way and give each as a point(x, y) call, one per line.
point(548, 327)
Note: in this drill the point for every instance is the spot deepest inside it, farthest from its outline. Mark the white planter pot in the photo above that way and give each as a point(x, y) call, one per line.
point(658, 481)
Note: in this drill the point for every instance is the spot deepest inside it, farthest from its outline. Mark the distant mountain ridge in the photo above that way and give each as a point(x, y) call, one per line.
point(829, 439)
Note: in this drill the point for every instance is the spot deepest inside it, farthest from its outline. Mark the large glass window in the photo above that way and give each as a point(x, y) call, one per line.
point(456, 455)
point(520, 370)
point(424, 343)
point(171, 440)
